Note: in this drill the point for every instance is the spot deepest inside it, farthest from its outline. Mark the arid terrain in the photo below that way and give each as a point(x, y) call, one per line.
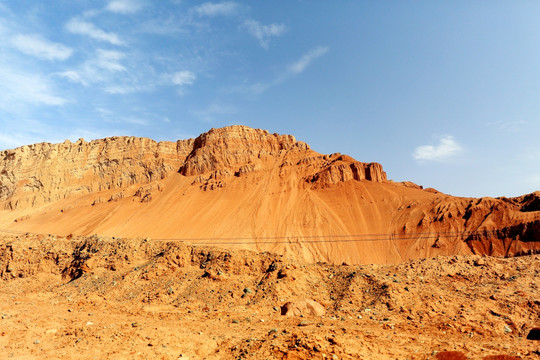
point(97, 298)
point(244, 244)
point(260, 191)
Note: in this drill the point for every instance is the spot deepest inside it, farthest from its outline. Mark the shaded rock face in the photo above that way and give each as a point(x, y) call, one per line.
point(41, 173)
point(340, 168)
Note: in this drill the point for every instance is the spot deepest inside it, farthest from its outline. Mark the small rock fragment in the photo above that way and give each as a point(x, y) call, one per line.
point(302, 307)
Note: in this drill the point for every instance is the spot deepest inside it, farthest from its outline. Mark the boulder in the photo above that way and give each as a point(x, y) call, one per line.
point(302, 307)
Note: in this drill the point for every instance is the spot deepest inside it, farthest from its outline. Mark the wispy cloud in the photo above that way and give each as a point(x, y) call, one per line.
point(225, 8)
point(124, 6)
point(35, 45)
point(509, 125)
point(23, 87)
point(289, 71)
point(183, 78)
point(301, 64)
point(123, 89)
point(214, 112)
point(263, 33)
point(447, 148)
point(97, 69)
point(110, 60)
point(81, 27)
point(13, 140)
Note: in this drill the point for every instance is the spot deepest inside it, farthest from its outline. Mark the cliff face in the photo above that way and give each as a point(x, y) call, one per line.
point(235, 148)
point(37, 174)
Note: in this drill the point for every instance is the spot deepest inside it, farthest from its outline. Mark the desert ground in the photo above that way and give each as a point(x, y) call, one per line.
point(102, 298)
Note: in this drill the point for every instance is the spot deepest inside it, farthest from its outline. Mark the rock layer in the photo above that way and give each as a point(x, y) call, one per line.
point(37, 174)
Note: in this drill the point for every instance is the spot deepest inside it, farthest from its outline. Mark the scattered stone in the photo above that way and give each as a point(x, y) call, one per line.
point(507, 329)
point(480, 262)
point(135, 324)
point(248, 291)
point(303, 323)
point(302, 307)
point(36, 341)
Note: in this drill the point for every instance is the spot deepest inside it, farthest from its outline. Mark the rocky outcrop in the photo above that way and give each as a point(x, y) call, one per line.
point(37, 174)
point(340, 168)
point(237, 149)
point(41, 173)
point(497, 227)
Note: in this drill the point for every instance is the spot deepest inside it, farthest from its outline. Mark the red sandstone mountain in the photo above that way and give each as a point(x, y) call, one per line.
point(238, 186)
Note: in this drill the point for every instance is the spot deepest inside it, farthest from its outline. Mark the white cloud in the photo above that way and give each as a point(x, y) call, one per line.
point(263, 33)
point(446, 148)
point(22, 87)
point(99, 69)
point(81, 27)
point(183, 78)
point(72, 76)
point(122, 89)
point(301, 64)
point(225, 8)
point(35, 45)
point(124, 6)
point(109, 60)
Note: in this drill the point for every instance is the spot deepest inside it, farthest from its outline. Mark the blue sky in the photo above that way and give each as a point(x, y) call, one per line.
point(442, 93)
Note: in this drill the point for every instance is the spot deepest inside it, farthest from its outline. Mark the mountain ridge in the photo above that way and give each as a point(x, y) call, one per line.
point(248, 184)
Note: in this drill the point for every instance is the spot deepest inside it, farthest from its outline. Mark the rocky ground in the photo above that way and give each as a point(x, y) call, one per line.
point(106, 298)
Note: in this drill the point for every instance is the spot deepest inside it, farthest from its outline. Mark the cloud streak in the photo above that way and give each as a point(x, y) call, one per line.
point(183, 78)
point(81, 27)
point(289, 71)
point(35, 45)
point(124, 6)
point(99, 69)
point(447, 148)
point(264, 33)
point(22, 87)
point(301, 64)
point(225, 8)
